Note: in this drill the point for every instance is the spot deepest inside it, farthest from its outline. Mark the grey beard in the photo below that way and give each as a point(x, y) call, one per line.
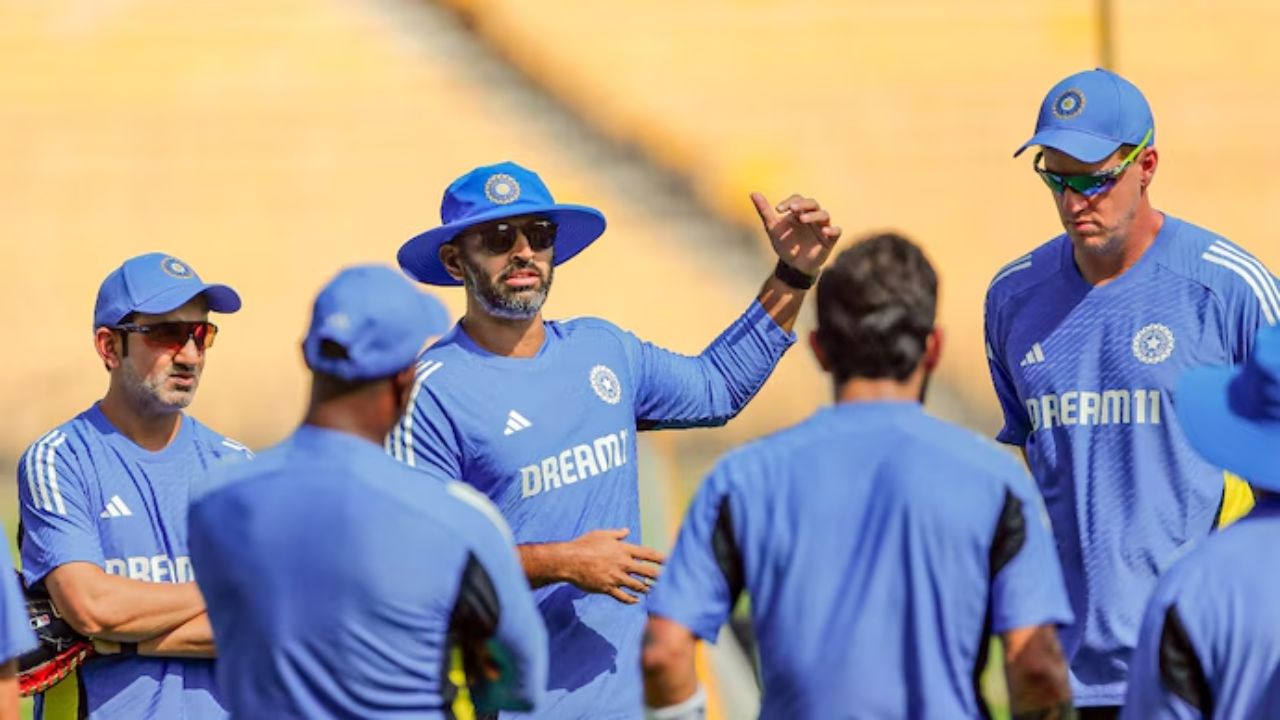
point(497, 303)
point(149, 400)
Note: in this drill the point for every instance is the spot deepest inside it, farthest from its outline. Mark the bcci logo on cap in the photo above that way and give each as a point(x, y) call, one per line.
point(1153, 344)
point(176, 268)
point(338, 321)
point(1069, 104)
point(502, 189)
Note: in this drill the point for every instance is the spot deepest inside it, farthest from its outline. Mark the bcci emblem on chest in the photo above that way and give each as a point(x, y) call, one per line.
point(1153, 344)
point(606, 385)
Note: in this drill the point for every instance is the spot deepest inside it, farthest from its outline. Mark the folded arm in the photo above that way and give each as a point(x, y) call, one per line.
point(116, 608)
point(9, 691)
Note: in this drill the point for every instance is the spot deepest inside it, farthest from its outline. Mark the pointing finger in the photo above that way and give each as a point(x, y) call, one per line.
point(764, 210)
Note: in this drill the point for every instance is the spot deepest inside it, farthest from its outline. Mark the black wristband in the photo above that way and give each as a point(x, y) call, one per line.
point(793, 277)
point(128, 648)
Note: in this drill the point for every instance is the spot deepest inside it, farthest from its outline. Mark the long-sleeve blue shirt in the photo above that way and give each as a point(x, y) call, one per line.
point(551, 441)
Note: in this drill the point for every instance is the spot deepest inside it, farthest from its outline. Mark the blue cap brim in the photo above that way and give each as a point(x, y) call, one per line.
point(221, 299)
point(1079, 145)
point(1244, 447)
point(579, 226)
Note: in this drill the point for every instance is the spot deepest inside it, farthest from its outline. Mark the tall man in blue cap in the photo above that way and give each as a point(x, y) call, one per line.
point(879, 546)
point(1210, 640)
point(541, 416)
point(337, 579)
point(103, 502)
point(1086, 336)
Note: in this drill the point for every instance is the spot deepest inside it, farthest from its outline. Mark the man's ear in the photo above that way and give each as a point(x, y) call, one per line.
point(110, 347)
point(933, 349)
point(451, 257)
point(819, 353)
point(1148, 164)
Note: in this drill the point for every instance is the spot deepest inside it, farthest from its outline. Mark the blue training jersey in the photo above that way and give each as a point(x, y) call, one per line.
point(879, 547)
point(337, 582)
point(16, 636)
point(1210, 640)
point(89, 494)
point(1085, 376)
point(551, 441)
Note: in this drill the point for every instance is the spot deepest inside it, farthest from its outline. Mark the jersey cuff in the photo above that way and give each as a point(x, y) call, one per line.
point(1058, 618)
point(1008, 436)
point(43, 572)
point(686, 623)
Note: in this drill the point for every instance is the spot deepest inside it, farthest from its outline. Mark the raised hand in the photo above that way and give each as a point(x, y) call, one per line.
point(602, 563)
point(800, 231)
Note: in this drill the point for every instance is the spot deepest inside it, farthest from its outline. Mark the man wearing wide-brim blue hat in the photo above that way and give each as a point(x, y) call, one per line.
point(1085, 336)
point(542, 415)
point(1210, 640)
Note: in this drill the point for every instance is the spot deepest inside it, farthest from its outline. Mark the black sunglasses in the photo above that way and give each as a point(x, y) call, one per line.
point(499, 238)
point(174, 335)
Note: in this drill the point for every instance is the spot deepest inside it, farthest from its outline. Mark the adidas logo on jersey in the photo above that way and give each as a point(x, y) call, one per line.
point(116, 508)
point(1035, 356)
point(515, 423)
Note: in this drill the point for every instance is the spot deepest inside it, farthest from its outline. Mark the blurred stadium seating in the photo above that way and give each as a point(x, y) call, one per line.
point(268, 143)
point(904, 114)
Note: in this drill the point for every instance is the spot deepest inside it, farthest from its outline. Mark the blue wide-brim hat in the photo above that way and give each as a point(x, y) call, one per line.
point(1231, 416)
point(490, 193)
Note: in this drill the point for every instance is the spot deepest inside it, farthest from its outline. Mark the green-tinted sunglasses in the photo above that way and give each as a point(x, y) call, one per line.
point(1089, 184)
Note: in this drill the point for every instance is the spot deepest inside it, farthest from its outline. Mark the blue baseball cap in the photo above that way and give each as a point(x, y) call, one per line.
point(154, 284)
point(1091, 114)
point(378, 318)
point(494, 192)
point(1231, 416)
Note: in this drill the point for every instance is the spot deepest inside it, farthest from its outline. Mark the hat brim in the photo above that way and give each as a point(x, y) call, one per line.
point(579, 226)
point(1079, 145)
point(221, 298)
point(1242, 446)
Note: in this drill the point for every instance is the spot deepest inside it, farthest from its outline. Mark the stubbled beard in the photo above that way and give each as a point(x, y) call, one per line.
point(149, 396)
point(496, 299)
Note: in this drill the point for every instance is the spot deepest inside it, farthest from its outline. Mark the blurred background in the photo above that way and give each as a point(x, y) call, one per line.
point(269, 142)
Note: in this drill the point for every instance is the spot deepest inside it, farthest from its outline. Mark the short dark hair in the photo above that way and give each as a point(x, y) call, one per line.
point(877, 303)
